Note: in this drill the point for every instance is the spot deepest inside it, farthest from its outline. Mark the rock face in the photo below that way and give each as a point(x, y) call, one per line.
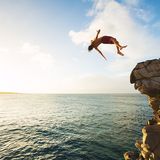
point(146, 78)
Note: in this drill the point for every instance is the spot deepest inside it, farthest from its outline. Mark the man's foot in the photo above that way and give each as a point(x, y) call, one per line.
point(123, 47)
point(120, 53)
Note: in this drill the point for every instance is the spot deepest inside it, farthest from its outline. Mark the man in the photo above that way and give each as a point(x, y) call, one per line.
point(105, 40)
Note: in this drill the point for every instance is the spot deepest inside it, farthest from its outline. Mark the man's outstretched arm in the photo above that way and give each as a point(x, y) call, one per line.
point(97, 33)
point(101, 53)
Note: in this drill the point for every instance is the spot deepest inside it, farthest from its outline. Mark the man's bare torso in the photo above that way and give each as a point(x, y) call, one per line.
point(96, 42)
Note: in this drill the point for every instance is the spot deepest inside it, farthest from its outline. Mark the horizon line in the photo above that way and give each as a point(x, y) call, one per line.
point(68, 93)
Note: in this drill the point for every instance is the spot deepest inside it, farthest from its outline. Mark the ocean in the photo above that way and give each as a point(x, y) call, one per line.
point(70, 126)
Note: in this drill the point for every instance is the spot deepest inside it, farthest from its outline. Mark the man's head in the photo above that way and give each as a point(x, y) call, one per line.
point(90, 48)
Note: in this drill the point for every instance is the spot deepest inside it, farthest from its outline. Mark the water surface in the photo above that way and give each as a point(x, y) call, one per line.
point(71, 126)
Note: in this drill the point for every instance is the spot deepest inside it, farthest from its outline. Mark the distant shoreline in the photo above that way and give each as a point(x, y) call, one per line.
point(8, 93)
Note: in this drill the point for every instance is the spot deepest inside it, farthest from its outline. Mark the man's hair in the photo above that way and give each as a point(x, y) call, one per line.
point(90, 48)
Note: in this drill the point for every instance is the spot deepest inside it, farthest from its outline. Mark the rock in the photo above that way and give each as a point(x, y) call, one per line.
point(151, 122)
point(146, 79)
point(157, 117)
point(151, 141)
point(154, 102)
point(149, 146)
point(130, 155)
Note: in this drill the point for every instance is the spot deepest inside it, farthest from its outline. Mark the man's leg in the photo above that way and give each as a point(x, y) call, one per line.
point(119, 52)
point(117, 44)
point(123, 47)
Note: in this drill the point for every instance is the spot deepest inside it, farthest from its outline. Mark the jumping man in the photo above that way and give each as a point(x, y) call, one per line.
point(105, 40)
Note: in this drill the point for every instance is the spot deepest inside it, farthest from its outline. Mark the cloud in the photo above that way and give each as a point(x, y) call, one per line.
point(98, 83)
point(25, 68)
point(156, 25)
point(37, 57)
point(117, 19)
point(132, 3)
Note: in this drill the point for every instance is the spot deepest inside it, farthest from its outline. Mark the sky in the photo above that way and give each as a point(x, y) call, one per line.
point(44, 44)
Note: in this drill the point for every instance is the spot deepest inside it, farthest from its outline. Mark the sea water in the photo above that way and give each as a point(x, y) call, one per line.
point(70, 126)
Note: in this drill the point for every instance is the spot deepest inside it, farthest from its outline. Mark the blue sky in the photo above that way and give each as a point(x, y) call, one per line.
point(43, 44)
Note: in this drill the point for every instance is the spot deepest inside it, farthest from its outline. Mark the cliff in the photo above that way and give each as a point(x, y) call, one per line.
point(146, 78)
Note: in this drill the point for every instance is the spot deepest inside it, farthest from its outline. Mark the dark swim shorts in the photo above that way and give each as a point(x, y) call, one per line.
point(107, 40)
